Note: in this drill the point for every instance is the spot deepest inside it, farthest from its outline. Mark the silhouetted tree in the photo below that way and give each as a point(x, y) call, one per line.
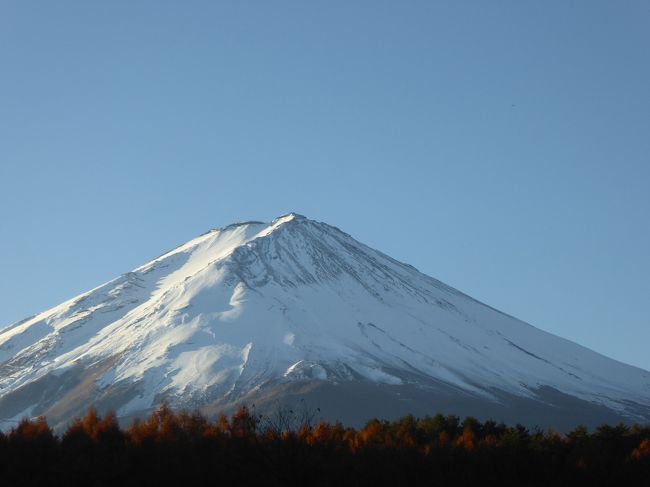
point(183, 448)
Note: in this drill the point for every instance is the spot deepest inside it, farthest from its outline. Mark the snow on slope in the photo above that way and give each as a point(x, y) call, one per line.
point(252, 303)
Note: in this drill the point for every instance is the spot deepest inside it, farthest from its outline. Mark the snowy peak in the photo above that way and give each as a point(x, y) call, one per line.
point(221, 242)
point(289, 217)
point(252, 307)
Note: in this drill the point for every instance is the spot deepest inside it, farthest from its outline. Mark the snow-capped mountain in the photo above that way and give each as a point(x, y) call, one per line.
point(267, 313)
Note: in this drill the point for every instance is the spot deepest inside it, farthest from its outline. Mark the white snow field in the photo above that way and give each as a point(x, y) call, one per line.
point(253, 306)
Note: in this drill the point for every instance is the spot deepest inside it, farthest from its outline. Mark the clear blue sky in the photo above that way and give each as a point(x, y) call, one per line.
point(502, 147)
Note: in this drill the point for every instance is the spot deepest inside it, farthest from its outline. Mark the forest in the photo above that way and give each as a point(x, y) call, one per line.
point(182, 448)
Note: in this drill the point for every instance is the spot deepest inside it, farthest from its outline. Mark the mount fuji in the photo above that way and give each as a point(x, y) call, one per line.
point(297, 310)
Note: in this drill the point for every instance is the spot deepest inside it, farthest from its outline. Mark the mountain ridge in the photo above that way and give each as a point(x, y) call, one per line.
point(247, 309)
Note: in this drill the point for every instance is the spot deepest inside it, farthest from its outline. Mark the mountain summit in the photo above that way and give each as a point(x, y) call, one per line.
point(270, 313)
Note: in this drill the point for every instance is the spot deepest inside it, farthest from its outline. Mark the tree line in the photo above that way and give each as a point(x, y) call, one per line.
point(183, 448)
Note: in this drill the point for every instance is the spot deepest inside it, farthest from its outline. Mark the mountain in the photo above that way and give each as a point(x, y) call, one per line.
point(297, 311)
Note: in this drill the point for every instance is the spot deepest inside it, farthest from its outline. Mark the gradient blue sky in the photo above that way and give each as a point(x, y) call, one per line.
point(502, 147)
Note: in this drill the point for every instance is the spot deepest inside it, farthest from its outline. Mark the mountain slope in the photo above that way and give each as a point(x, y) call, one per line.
point(296, 308)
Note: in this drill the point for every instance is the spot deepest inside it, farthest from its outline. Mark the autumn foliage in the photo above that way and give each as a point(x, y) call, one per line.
point(170, 448)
